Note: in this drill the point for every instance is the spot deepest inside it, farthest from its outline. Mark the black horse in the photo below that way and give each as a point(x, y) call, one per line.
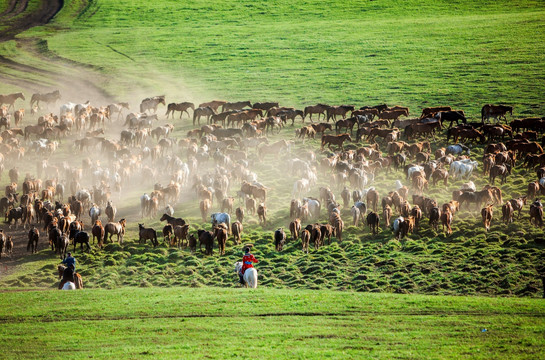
point(451, 116)
point(80, 237)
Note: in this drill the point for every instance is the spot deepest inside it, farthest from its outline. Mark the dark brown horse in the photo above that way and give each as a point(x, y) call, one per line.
point(498, 112)
point(202, 111)
point(346, 124)
point(147, 234)
point(47, 98)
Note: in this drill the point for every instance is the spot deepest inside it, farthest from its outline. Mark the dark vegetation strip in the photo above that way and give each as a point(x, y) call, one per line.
point(9, 319)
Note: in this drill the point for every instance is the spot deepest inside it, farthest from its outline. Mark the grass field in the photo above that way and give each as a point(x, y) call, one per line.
point(337, 301)
point(415, 53)
point(266, 323)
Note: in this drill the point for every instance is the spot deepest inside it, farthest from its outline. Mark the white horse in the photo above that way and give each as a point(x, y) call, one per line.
point(250, 275)
point(69, 286)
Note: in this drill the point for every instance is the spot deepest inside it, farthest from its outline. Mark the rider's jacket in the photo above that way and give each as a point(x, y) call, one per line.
point(247, 262)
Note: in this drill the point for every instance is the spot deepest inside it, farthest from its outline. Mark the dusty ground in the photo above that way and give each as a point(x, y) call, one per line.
point(15, 25)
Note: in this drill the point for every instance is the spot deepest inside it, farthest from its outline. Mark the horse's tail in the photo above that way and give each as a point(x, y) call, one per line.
point(483, 112)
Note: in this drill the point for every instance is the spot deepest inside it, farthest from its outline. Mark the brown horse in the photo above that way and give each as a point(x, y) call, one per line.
point(214, 104)
point(115, 228)
point(319, 109)
point(33, 237)
point(536, 214)
point(98, 232)
point(333, 111)
point(181, 107)
point(498, 112)
point(47, 98)
point(486, 214)
point(335, 140)
point(430, 111)
point(180, 234)
point(10, 99)
point(147, 234)
point(347, 124)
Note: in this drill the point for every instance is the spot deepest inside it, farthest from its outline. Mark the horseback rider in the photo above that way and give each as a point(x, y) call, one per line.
point(247, 262)
point(70, 261)
point(69, 271)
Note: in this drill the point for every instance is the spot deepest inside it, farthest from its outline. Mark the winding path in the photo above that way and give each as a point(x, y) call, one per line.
point(17, 24)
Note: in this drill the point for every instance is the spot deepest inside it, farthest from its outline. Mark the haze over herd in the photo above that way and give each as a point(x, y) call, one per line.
point(70, 165)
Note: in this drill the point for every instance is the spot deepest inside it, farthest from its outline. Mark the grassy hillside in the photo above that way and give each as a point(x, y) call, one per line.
point(415, 53)
point(284, 324)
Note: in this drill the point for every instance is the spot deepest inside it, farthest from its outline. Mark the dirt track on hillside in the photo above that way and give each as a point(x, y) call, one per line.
point(17, 22)
point(47, 10)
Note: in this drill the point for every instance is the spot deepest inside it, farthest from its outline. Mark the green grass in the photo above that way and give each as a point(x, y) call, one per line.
point(415, 53)
point(266, 323)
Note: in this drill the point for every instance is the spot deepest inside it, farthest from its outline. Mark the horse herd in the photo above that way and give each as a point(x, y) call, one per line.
point(217, 165)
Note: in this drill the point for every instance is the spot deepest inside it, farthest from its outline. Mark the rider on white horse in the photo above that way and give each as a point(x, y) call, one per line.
point(69, 271)
point(247, 262)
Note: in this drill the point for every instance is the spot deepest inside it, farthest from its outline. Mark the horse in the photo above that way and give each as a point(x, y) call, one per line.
point(117, 108)
point(333, 111)
point(110, 211)
point(10, 99)
point(451, 116)
point(214, 104)
point(152, 103)
point(319, 109)
point(94, 213)
point(203, 111)
point(249, 277)
point(115, 228)
point(81, 237)
point(181, 107)
point(346, 123)
point(78, 283)
point(218, 218)
point(335, 140)
point(172, 220)
point(98, 232)
point(147, 234)
point(180, 234)
point(33, 237)
point(47, 98)
point(496, 111)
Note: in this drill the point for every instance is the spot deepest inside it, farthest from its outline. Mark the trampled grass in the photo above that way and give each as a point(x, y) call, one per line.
point(266, 323)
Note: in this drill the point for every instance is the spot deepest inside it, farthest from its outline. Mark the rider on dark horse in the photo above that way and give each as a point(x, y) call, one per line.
point(69, 271)
point(247, 262)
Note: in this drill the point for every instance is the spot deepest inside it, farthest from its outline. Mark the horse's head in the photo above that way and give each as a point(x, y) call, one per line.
point(238, 266)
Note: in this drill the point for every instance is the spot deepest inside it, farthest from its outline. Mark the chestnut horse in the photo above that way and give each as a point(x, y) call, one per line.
point(10, 99)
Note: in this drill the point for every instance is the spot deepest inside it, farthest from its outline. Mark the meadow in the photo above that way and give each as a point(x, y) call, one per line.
point(365, 297)
point(219, 323)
